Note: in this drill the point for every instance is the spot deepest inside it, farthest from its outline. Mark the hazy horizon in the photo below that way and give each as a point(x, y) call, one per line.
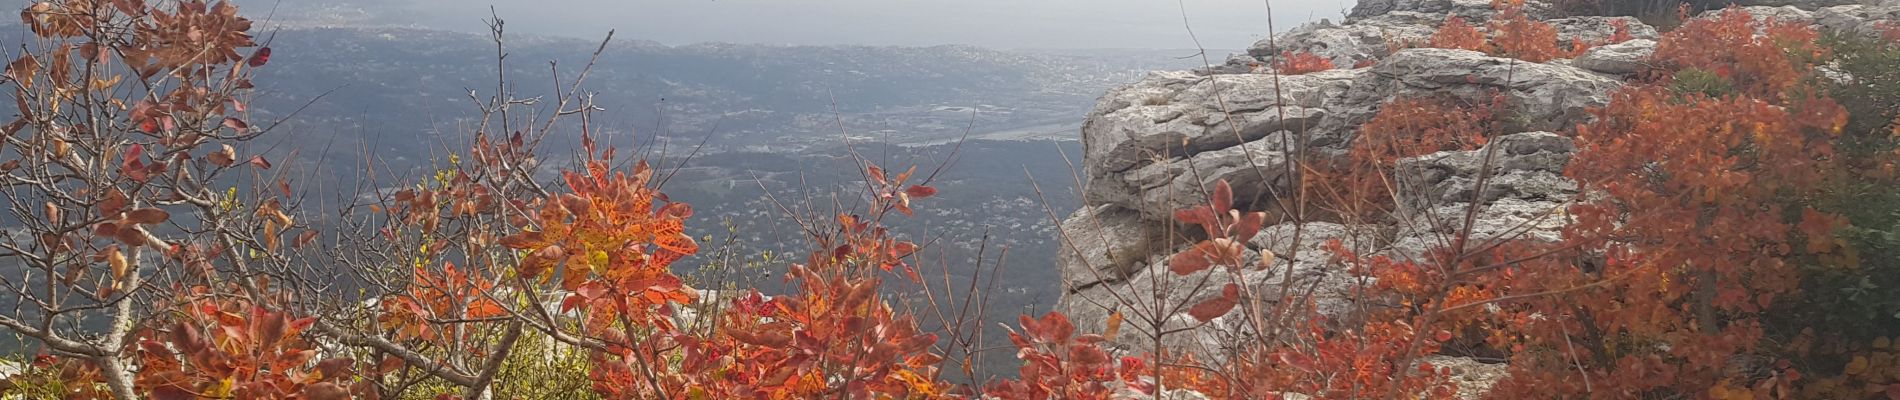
point(1003, 24)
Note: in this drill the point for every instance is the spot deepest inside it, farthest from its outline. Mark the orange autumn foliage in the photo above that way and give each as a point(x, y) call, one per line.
point(1511, 34)
point(1304, 62)
point(1455, 33)
point(1515, 35)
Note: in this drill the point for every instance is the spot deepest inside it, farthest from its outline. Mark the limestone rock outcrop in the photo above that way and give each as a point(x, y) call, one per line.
point(1158, 145)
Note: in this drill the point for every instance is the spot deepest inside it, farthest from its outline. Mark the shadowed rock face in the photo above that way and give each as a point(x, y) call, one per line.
point(1159, 144)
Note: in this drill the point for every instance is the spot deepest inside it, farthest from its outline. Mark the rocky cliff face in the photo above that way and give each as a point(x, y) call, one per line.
point(1156, 145)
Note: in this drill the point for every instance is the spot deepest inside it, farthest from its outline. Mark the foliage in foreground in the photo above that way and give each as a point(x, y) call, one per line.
point(1729, 196)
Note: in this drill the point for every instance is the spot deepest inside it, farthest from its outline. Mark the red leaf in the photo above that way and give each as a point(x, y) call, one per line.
point(133, 153)
point(260, 162)
point(1223, 199)
point(1188, 262)
point(1218, 306)
point(592, 290)
point(260, 57)
point(571, 303)
point(136, 171)
point(920, 191)
point(1200, 215)
point(1249, 225)
point(1058, 325)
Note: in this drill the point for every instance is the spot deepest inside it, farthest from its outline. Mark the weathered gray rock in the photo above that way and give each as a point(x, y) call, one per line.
point(1473, 378)
point(1866, 19)
point(1140, 135)
point(1802, 4)
point(1362, 40)
point(1618, 59)
point(1172, 115)
point(1104, 243)
point(1524, 166)
point(1468, 9)
point(1542, 97)
point(1595, 30)
point(1523, 197)
point(1253, 169)
point(1863, 19)
point(1765, 12)
point(1508, 219)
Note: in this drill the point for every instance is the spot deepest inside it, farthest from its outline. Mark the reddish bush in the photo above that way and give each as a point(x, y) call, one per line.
point(1303, 62)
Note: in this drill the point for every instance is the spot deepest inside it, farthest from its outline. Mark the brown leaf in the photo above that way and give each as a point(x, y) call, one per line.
point(236, 124)
point(260, 57)
point(325, 391)
point(13, 127)
point(390, 364)
point(23, 70)
point(271, 228)
point(305, 238)
point(260, 162)
point(53, 214)
point(147, 216)
point(90, 52)
point(113, 202)
point(223, 157)
point(336, 368)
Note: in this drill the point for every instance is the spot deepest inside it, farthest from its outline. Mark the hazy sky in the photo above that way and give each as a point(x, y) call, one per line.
point(1221, 24)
